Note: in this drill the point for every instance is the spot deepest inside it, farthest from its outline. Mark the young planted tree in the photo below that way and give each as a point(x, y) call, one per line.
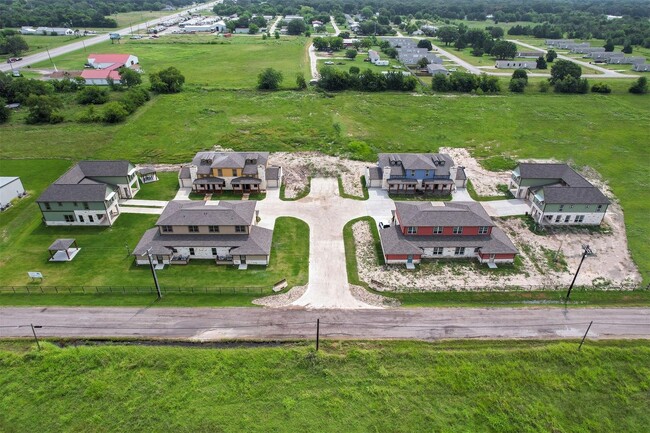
point(301, 83)
point(423, 62)
point(541, 63)
point(520, 74)
point(168, 80)
point(269, 79)
point(550, 56)
point(609, 45)
point(640, 86)
point(351, 54)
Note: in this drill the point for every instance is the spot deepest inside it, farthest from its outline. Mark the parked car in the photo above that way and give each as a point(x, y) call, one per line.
point(329, 63)
point(14, 59)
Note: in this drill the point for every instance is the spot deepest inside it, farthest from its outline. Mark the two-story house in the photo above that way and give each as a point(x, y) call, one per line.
point(243, 172)
point(225, 232)
point(430, 230)
point(88, 193)
point(408, 173)
point(558, 195)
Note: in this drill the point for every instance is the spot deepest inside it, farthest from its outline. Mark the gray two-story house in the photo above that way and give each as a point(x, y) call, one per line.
point(224, 231)
point(558, 195)
point(88, 193)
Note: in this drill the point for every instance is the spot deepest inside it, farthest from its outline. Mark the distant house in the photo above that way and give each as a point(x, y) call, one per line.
point(411, 56)
point(558, 195)
point(242, 172)
point(408, 173)
point(88, 193)
point(289, 18)
point(47, 31)
point(604, 56)
point(625, 60)
point(557, 42)
point(201, 28)
point(641, 67)
point(529, 54)
point(515, 64)
point(104, 67)
point(373, 56)
point(226, 233)
point(347, 43)
point(417, 33)
point(401, 42)
point(590, 50)
point(434, 69)
point(242, 30)
point(432, 230)
point(10, 188)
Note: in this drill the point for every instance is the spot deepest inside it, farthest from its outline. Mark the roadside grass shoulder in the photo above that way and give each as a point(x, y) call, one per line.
point(355, 386)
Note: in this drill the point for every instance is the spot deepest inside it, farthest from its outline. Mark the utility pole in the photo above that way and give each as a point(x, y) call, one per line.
point(50, 57)
point(587, 251)
point(153, 272)
point(317, 334)
point(35, 337)
point(585, 336)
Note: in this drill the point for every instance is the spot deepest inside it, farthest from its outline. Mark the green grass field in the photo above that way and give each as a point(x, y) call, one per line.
point(473, 386)
point(164, 189)
point(206, 60)
point(38, 43)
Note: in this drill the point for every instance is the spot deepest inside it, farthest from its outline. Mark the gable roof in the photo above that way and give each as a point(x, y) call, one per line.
point(109, 58)
point(425, 214)
point(230, 159)
point(80, 192)
point(441, 162)
point(559, 171)
point(558, 194)
point(99, 74)
point(227, 213)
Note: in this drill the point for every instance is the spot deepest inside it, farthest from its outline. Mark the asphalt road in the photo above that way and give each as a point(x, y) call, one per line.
point(206, 324)
point(85, 43)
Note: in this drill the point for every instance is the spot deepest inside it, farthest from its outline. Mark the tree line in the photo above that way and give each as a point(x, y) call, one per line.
point(74, 13)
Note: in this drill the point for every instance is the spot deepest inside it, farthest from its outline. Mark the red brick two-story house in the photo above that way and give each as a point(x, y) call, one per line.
point(444, 230)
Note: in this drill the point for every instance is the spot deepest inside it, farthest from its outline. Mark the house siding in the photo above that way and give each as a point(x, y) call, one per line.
point(204, 230)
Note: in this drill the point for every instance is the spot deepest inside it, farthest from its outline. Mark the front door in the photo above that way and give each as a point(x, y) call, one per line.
point(242, 260)
point(409, 259)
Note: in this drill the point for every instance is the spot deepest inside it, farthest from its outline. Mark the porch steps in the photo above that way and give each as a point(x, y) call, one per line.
point(243, 267)
point(245, 196)
point(492, 265)
point(207, 197)
point(410, 266)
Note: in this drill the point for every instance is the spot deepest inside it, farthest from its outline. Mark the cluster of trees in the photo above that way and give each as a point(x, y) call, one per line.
point(565, 78)
point(75, 13)
point(12, 43)
point(330, 43)
point(486, 41)
point(246, 20)
point(332, 79)
point(465, 82)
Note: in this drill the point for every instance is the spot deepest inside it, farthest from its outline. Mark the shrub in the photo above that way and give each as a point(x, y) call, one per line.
point(571, 84)
point(90, 115)
point(114, 112)
point(361, 151)
point(354, 70)
point(440, 83)
point(544, 86)
point(92, 95)
point(517, 85)
point(301, 83)
point(640, 86)
point(601, 88)
point(168, 80)
point(44, 109)
point(269, 79)
point(135, 98)
point(351, 54)
point(520, 73)
point(5, 112)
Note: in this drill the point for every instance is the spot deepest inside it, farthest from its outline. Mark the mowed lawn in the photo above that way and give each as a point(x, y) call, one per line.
point(490, 386)
point(206, 60)
point(103, 259)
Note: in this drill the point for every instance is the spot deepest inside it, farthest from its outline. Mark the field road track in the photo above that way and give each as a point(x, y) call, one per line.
point(85, 43)
point(207, 324)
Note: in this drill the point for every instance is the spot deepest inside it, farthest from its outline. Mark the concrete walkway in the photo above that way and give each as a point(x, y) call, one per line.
point(147, 203)
point(141, 210)
point(183, 194)
point(461, 194)
point(503, 208)
point(336, 27)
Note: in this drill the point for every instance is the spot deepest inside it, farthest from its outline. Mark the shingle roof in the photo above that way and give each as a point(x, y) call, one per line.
point(466, 214)
point(460, 173)
point(184, 173)
point(375, 173)
point(565, 185)
point(228, 213)
point(557, 194)
point(273, 173)
point(229, 159)
point(417, 161)
point(61, 244)
point(559, 171)
point(80, 192)
point(257, 242)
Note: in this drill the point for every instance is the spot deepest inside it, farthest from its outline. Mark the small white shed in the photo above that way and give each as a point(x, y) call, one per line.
point(10, 188)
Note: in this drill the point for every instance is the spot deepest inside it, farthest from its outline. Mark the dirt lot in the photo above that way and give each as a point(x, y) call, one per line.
point(299, 166)
point(485, 182)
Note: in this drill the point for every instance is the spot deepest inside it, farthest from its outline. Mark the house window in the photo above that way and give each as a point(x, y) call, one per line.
point(458, 230)
point(214, 251)
point(58, 203)
point(193, 229)
point(100, 216)
point(459, 251)
point(437, 251)
point(240, 229)
point(437, 230)
point(90, 219)
point(68, 218)
point(191, 251)
point(579, 218)
point(477, 250)
point(219, 172)
point(47, 206)
point(411, 230)
point(86, 205)
point(599, 208)
point(426, 173)
point(558, 218)
point(81, 218)
point(412, 172)
point(482, 230)
point(167, 229)
point(561, 208)
point(74, 203)
point(567, 218)
point(213, 229)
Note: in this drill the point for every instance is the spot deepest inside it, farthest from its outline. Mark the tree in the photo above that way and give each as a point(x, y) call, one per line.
point(627, 48)
point(92, 95)
point(609, 45)
point(296, 27)
point(114, 112)
point(425, 43)
point(354, 70)
point(601, 88)
point(571, 84)
point(448, 34)
point(269, 79)
point(397, 20)
point(520, 74)
point(564, 68)
point(333, 79)
point(320, 44)
point(277, 34)
point(168, 80)
point(504, 50)
point(301, 83)
point(44, 109)
point(15, 45)
point(371, 82)
point(541, 63)
point(253, 29)
point(350, 54)
point(517, 85)
point(439, 83)
point(496, 32)
point(130, 77)
point(550, 56)
point(423, 62)
point(336, 44)
point(640, 86)
point(5, 112)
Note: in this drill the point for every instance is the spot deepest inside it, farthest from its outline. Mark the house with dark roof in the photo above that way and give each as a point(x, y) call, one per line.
point(431, 230)
point(558, 195)
point(224, 231)
point(408, 173)
point(241, 172)
point(88, 193)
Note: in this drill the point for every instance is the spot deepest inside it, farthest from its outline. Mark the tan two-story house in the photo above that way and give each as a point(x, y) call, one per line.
point(225, 232)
